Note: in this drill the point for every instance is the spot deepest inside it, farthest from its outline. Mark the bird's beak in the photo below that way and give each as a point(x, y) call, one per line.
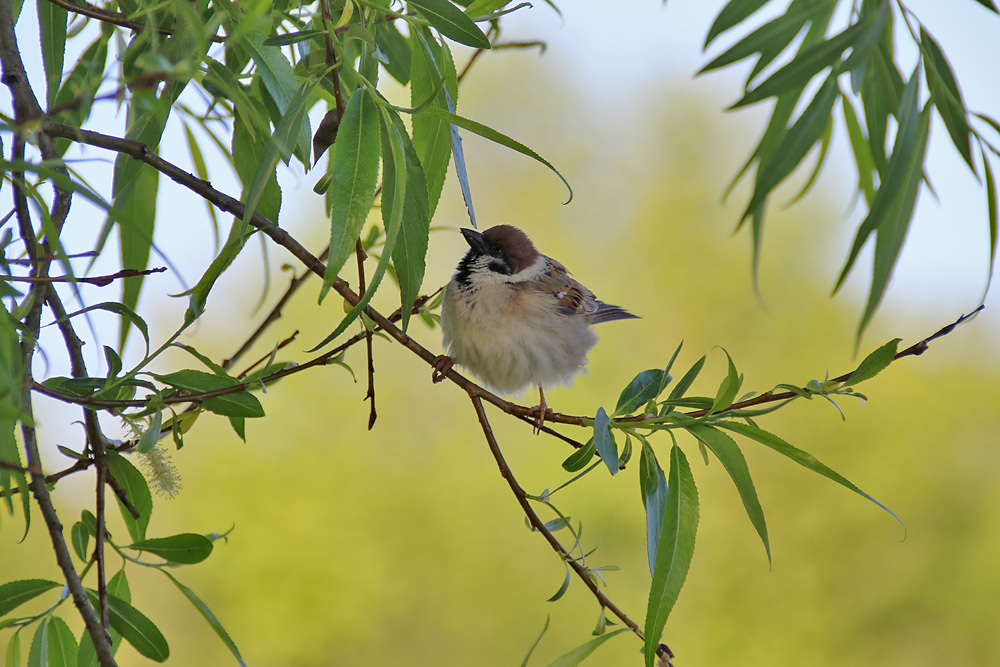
point(475, 240)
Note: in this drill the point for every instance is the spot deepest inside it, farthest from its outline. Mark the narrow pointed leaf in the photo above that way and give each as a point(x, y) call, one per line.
point(734, 13)
point(185, 548)
point(801, 457)
point(62, 646)
point(604, 442)
point(732, 459)
point(991, 209)
point(579, 459)
point(133, 483)
point(452, 23)
point(874, 363)
point(643, 388)
point(409, 253)
point(861, 149)
point(582, 652)
point(806, 65)
point(52, 29)
point(135, 628)
point(653, 485)
point(729, 388)
point(497, 137)
point(947, 96)
point(281, 144)
point(15, 593)
point(208, 616)
point(432, 136)
point(774, 35)
point(354, 169)
point(674, 551)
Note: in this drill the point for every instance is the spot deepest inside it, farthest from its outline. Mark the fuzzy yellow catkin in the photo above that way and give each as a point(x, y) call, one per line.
point(160, 471)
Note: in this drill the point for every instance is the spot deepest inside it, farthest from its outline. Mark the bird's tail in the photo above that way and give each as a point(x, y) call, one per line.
point(607, 313)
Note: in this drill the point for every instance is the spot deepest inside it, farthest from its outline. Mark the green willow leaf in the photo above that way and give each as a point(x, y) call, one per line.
point(133, 483)
point(497, 137)
point(947, 96)
point(773, 36)
point(730, 386)
point(803, 458)
point(674, 551)
point(604, 442)
point(861, 149)
point(874, 363)
point(432, 136)
point(579, 459)
point(207, 614)
point(681, 388)
point(80, 538)
point(732, 459)
point(643, 388)
point(240, 404)
point(135, 627)
point(991, 208)
point(409, 253)
point(281, 144)
point(15, 593)
point(394, 179)
point(451, 22)
point(396, 49)
point(653, 485)
point(353, 169)
point(734, 13)
point(135, 211)
point(582, 652)
point(796, 144)
point(62, 646)
point(905, 151)
point(806, 65)
point(52, 29)
point(185, 548)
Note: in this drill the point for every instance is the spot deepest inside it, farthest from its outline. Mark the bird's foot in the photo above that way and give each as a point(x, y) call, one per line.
point(441, 365)
point(540, 412)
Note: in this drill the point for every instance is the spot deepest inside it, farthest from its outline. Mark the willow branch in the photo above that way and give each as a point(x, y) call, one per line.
point(27, 109)
point(99, 281)
point(281, 237)
point(537, 524)
point(115, 18)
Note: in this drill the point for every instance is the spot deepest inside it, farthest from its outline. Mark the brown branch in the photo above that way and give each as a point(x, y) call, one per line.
point(99, 281)
point(98, 447)
point(537, 524)
point(27, 109)
point(49, 258)
point(228, 204)
point(370, 394)
point(115, 18)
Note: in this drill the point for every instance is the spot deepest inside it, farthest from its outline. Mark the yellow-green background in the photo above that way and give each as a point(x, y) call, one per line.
point(403, 545)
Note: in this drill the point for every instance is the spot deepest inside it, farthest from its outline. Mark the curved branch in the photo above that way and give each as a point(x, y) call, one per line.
point(116, 18)
point(537, 524)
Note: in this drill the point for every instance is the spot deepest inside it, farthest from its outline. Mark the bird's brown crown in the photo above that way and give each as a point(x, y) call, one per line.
point(519, 249)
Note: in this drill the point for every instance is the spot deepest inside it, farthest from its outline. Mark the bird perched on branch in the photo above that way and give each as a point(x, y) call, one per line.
point(515, 318)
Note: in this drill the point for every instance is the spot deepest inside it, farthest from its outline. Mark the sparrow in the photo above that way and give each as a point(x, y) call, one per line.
point(515, 318)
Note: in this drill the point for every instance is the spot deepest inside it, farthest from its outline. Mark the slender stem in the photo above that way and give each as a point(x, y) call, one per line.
point(27, 109)
point(370, 394)
point(114, 18)
point(537, 524)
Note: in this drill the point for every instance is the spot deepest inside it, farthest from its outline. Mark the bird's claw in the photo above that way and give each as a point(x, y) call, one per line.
point(441, 365)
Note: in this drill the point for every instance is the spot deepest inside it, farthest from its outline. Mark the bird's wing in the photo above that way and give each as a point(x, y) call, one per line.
point(571, 298)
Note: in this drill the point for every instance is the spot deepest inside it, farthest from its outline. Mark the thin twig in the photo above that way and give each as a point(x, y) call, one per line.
point(27, 109)
point(537, 524)
point(99, 281)
point(98, 444)
point(370, 394)
point(115, 18)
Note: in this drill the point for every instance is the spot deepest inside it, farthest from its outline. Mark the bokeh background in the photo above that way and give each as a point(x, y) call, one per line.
point(403, 545)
